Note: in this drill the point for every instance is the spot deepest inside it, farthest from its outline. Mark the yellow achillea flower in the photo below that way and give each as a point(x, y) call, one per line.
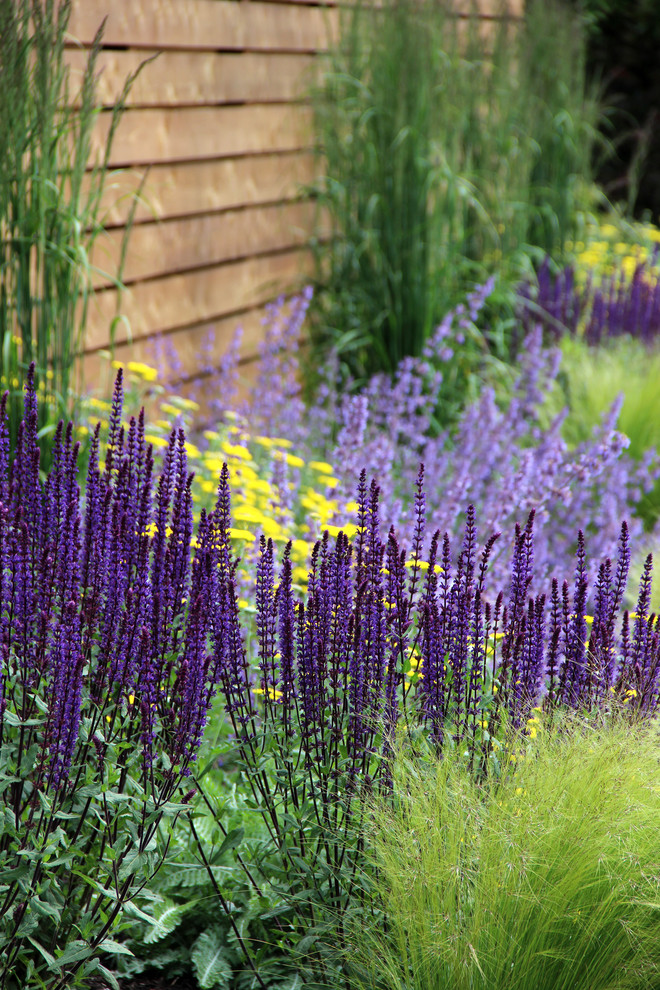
point(266, 442)
point(99, 404)
point(349, 530)
point(291, 459)
point(259, 485)
point(270, 442)
point(299, 575)
point(181, 402)
point(271, 528)
point(144, 371)
point(273, 693)
point(155, 441)
point(247, 513)
point(241, 534)
point(236, 450)
point(323, 468)
point(300, 549)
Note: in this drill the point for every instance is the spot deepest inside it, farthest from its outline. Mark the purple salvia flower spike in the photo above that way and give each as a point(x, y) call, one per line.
point(114, 446)
point(286, 641)
point(639, 640)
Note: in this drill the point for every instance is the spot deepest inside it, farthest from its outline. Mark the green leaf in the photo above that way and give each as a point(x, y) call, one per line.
point(12, 719)
point(74, 952)
point(133, 864)
point(117, 797)
point(44, 952)
point(306, 943)
point(166, 917)
point(232, 839)
point(115, 948)
point(211, 966)
point(295, 983)
point(108, 975)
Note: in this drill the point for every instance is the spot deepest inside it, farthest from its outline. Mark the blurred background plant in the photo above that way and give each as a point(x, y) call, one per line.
point(296, 467)
point(440, 164)
point(592, 379)
point(604, 311)
point(50, 205)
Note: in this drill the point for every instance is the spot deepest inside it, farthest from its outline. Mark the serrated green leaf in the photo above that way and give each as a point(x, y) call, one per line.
point(166, 917)
point(295, 983)
point(133, 864)
point(42, 909)
point(131, 910)
point(12, 719)
point(116, 797)
point(211, 967)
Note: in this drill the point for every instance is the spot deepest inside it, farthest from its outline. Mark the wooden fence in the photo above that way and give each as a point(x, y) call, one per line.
point(219, 123)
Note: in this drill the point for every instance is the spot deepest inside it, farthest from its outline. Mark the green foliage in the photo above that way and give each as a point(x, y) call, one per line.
point(439, 164)
point(590, 381)
point(209, 960)
point(182, 927)
point(544, 874)
point(50, 201)
point(72, 860)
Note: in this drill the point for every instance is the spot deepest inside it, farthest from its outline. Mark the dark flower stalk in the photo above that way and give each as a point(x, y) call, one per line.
point(107, 676)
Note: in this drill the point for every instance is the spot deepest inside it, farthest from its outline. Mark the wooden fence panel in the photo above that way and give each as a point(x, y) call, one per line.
point(213, 25)
point(189, 78)
point(178, 300)
point(191, 345)
point(189, 188)
point(195, 133)
point(219, 124)
point(155, 249)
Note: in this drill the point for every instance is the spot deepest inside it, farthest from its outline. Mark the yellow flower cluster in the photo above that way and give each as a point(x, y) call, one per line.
point(256, 503)
point(607, 248)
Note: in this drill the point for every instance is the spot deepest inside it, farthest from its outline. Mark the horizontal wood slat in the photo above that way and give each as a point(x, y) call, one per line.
point(175, 78)
point(194, 133)
point(176, 245)
point(220, 25)
point(200, 187)
point(189, 344)
point(197, 296)
point(464, 8)
point(227, 25)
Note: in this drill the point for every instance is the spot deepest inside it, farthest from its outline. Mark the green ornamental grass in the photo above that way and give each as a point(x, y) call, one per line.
point(544, 875)
point(50, 204)
point(442, 158)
